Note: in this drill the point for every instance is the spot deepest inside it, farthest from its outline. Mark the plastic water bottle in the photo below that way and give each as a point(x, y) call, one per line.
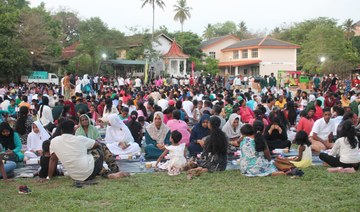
point(142, 161)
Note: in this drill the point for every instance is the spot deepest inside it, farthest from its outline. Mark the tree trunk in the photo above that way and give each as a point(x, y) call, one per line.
point(153, 25)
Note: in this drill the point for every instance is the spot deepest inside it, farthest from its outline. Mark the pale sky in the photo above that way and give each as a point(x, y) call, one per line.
point(258, 14)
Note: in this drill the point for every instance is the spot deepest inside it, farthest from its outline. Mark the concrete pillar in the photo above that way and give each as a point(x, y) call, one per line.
point(236, 70)
point(184, 67)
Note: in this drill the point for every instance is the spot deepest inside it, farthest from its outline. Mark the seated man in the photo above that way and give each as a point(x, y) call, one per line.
point(321, 135)
point(82, 157)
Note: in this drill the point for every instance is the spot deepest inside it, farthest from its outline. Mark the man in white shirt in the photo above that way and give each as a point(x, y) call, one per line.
point(72, 151)
point(321, 135)
point(237, 82)
point(163, 102)
point(137, 84)
point(121, 81)
point(188, 106)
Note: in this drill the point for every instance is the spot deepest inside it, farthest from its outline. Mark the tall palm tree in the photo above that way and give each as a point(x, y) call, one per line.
point(160, 4)
point(209, 32)
point(348, 26)
point(182, 12)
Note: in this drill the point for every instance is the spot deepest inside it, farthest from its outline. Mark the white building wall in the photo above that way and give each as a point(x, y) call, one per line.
point(276, 59)
point(162, 45)
point(217, 48)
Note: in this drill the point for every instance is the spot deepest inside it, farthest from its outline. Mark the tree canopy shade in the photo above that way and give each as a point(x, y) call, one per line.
point(182, 12)
point(160, 4)
point(228, 28)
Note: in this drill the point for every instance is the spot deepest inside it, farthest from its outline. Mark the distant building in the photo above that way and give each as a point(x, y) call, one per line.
point(357, 28)
point(251, 57)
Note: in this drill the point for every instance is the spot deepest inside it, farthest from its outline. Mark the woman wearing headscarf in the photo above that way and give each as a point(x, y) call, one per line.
point(45, 115)
point(11, 143)
point(198, 134)
point(85, 84)
point(87, 129)
point(135, 127)
point(108, 110)
point(69, 110)
point(35, 140)
point(157, 134)
point(118, 137)
point(232, 131)
point(214, 156)
point(24, 124)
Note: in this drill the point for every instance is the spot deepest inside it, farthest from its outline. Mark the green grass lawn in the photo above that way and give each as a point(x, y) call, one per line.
point(226, 191)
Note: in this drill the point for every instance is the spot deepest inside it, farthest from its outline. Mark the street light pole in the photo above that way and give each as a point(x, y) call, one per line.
point(230, 58)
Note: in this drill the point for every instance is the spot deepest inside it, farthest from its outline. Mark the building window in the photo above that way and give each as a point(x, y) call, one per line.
point(254, 53)
point(212, 55)
point(245, 72)
point(245, 53)
point(236, 55)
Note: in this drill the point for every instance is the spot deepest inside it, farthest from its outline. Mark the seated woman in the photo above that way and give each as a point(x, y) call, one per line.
point(345, 152)
point(11, 143)
point(245, 112)
point(276, 136)
point(232, 131)
point(198, 133)
point(157, 134)
point(24, 123)
point(135, 127)
point(87, 129)
point(259, 115)
point(255, 158)
point(7, 169)
point(35, 140)
point(214, 156)
point(306, 121)
point(118, 137)
point(181, 126)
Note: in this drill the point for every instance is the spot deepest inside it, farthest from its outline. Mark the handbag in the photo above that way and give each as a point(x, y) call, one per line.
point(283, 164)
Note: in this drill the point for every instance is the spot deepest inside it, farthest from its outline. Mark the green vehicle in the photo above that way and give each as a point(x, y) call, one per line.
point(40, 77)
point(304, 79)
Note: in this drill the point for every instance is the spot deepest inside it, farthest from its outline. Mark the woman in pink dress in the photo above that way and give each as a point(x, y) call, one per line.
point(179, 125)
point(245, 112)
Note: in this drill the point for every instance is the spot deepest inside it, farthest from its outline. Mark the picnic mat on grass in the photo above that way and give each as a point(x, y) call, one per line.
point(133, 165)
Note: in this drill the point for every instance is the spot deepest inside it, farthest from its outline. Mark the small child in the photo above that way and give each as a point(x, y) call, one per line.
point(45, 160)
point(304, 158)
point(176, 153)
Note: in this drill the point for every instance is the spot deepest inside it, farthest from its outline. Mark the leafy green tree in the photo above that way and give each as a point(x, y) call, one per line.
point(356, 42)
point(226, 28)
point(190, 43)
point(14, 59)
point(42, 43)
point(69, 22)
point(326, 41)
point(160, 4)
point(96, 39)
point(211, 66)
point(182, 12)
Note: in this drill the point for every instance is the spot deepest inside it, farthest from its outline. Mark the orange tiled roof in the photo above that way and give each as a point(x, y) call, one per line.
point(175, 52)
point(238, 63)
point(70, 51)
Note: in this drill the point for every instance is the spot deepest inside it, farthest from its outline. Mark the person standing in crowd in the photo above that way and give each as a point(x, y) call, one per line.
point(272, 81)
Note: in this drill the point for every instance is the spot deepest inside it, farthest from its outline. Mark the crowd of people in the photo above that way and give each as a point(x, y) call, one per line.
point(197, 123)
